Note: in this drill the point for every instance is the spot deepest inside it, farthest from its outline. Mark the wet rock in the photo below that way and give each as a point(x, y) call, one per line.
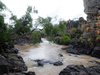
point(96, 62)
point(68, 47)
point(96, 52)
point(74, 70)
point(58, 63)
point(60, 55)
point(51, 61)
point(80, 70)
point(30, 73)
point(94, 70)
point(13, 50)
point(73, 51)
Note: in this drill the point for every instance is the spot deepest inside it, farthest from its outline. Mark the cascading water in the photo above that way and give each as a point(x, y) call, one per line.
point(50, 52)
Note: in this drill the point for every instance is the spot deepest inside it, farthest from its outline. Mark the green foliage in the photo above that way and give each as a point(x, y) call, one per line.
point(89, 39)
point(2, 6)
point(62, 27)
point(52, 39)
point(65, 39)
point(5, 35)
point(24, 24)
point(75, 33)
point(36, 37)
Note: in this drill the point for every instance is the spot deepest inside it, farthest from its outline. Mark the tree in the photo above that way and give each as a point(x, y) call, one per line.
point(62, 27)
point(5, 35)
point(75, 33)
point(23, 24)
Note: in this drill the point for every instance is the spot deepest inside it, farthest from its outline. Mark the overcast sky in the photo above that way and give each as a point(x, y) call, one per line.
point(64, 9)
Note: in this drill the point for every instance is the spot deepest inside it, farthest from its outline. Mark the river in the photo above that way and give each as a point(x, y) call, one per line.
point(50, 51)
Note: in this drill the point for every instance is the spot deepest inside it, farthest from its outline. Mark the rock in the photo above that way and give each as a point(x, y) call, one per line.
point(58, 63)
point(76, 24)
point(13, 50)
point(73, 51)
point(96, 52)
point(30, 73)
point(74, 70)
point(16, 63)
point(69, 46)
point(15, 74)
point(92, 9)
point(96, 62)
point(50, 61)
point(80, 70)
point(13, 63)
point(60, 55)
point(94, 70)
point(81, 23)
point(3, 65)
point(40, 62)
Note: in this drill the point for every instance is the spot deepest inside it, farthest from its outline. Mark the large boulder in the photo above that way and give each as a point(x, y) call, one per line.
point(3, 65)
point(96, 52)
point(94, 70)
point(16, 63)
point(13, 63)
point(80, 70)
point(74, 70)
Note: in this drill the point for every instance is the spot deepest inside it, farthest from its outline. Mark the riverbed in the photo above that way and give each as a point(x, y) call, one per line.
point(50, 51)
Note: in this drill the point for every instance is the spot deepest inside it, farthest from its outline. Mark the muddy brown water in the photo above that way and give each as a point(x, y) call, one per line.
point(50, 51)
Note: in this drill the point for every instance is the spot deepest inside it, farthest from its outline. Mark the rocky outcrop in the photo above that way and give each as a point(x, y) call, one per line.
point(10, 62)
point(92, 9)
point(76, 24)
point(82, 22)
point(80, 70)
point(13, 63)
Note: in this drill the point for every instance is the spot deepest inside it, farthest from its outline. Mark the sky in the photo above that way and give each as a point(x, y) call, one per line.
point(63, 9)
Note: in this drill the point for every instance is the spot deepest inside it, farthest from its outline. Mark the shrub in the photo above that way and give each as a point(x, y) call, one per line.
point(35, 37)
point(65, 40)
point(75, 33)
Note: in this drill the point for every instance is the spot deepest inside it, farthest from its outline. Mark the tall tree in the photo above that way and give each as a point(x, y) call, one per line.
point(24, 24)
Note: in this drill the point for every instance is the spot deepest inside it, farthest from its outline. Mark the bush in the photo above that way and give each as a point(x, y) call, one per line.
point(65, 40)
point(75, 33)
point(5, 35)
point(36, 37)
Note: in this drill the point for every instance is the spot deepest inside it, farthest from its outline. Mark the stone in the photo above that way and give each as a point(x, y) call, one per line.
point(73, 51)
point(16, 63)
point(96, 52)
point(42, 62)
point(74, 70)
point(67, 47)
point(30, 73)
point(60, 55)
point(13, 63)
point(58, 63)
point(94, 70)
